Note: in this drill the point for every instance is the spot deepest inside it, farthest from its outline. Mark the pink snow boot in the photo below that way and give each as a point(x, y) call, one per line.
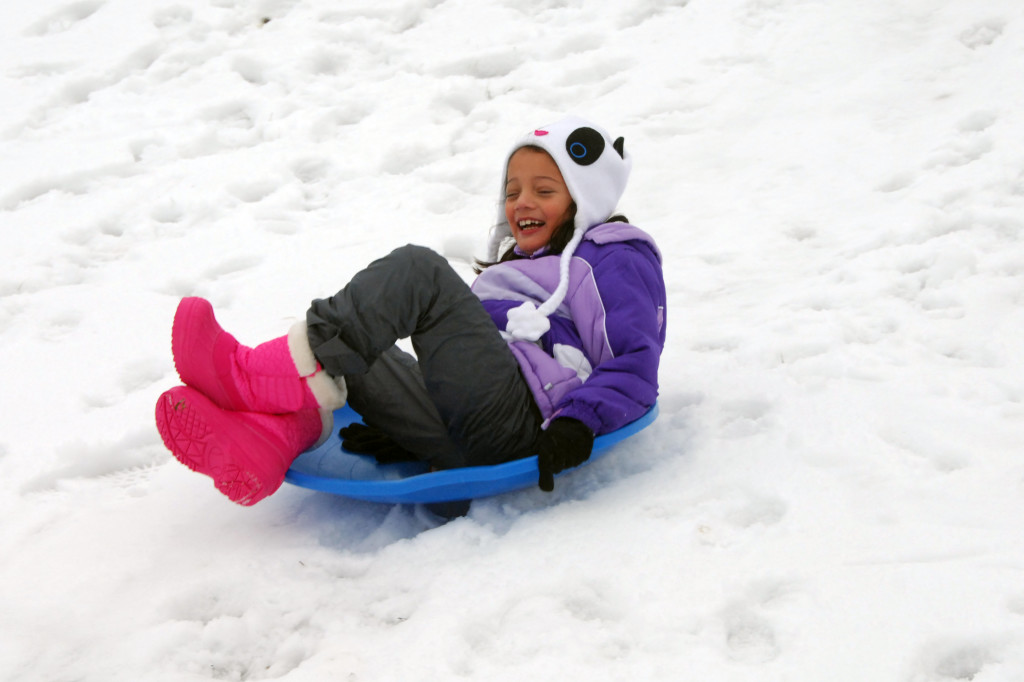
point(246, 454)
point(276, 377)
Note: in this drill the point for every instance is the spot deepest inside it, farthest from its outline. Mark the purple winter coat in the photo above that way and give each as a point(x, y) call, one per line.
point(599, 361)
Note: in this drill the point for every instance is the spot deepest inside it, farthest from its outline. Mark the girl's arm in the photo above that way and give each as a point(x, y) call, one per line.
point(623, 388)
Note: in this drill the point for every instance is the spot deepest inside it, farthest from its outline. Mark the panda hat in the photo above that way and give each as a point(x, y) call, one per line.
point(595, 169)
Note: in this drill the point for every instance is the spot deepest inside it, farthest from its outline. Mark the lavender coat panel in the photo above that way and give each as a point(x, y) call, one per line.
point(613, 313)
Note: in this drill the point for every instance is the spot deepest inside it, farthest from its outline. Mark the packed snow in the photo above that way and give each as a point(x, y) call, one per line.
point(834, 489)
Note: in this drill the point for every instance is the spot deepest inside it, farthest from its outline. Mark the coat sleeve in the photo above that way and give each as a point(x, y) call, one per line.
point(621, 389)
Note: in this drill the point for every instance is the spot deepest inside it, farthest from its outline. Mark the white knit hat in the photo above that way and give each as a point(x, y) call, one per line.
point(595, 169)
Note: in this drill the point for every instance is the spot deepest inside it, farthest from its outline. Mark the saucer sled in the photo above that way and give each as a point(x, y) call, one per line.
point(331, 469)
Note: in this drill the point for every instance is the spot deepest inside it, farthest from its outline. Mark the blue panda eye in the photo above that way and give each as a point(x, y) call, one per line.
point(585, 146)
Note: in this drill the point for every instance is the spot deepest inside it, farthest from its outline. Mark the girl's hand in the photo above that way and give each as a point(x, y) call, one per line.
point(366, 440)
point(565, 444)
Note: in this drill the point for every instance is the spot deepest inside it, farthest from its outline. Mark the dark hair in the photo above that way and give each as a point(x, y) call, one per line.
point(559, 240)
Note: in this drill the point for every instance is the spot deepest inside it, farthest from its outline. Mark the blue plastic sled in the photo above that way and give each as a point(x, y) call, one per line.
point(330, 469)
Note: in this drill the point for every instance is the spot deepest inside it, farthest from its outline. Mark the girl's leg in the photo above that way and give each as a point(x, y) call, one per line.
point(468, 374)
point(393, 398)
point(276, 377)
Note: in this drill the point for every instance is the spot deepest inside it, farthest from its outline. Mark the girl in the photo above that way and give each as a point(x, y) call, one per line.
point(557, 341)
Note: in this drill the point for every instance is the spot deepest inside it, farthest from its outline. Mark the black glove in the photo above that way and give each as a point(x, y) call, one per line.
point(565, 444)
point(366, 440)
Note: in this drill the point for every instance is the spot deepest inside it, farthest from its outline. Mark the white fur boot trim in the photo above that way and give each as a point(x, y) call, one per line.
point(330, 393)
point(327, 421)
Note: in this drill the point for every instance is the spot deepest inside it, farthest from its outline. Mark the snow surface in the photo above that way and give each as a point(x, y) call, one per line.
point(834, 489)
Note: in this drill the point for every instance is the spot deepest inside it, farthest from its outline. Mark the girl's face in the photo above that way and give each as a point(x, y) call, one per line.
point(537, 202)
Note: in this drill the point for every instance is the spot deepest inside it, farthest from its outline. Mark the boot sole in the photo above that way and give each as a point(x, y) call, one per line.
point(183, 419)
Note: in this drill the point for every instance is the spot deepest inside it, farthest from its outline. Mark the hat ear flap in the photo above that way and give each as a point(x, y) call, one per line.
point(620, 147)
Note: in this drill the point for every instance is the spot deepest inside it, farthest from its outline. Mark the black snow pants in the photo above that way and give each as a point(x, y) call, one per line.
point(461, 401)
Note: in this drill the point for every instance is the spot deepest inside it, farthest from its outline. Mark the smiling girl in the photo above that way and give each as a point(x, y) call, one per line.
point(558, 340)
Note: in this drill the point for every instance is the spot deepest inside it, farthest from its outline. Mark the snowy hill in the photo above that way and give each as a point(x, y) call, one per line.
point(834, 489)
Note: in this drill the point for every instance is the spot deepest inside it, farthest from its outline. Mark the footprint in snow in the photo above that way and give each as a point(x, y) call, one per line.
point(74, 183)
point(739, 515)
point(951, 661)
point(254, 191)
point(172, 16)
point(750, 638)
point(133, 377)
point(59, 326)
point(64, 19)
point(312, 169)
point(121, 461)
point(983, 34)
point(1015, 604)
point(41, 70)
point(750, 635)
point(230, 266)
point(743, 418)
point(493, 63)
point(970, 143)
point(167, 211)
point(646, 11)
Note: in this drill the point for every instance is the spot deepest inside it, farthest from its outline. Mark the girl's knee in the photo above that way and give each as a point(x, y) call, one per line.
point(415, 255)
point(421, 264)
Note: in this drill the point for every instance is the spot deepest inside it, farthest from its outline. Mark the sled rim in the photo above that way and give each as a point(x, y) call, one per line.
point(450, 485)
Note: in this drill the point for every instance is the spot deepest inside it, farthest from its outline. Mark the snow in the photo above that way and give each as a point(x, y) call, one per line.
point(834, 488)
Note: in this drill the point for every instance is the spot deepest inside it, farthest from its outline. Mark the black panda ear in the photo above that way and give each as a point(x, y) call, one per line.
point(620, 145)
